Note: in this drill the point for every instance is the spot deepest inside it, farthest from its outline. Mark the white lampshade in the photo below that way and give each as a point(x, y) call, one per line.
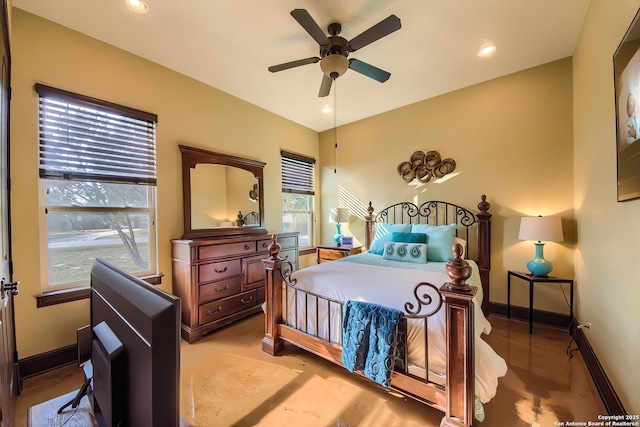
point(541, 228)
point(339, 215)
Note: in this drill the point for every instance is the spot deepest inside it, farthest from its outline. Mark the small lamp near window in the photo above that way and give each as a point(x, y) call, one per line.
point(539, 228)
point(338, 215)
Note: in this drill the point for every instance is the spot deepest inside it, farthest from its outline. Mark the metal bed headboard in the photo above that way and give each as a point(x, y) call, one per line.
point(433, 212)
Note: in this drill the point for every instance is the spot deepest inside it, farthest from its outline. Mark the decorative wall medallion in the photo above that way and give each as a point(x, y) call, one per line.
point(425, 167)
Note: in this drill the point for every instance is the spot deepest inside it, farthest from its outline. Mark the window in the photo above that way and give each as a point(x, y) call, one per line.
point(298, 189)
point(98, 182)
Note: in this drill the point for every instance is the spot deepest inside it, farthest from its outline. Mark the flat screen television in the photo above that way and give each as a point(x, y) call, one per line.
point(135, 350)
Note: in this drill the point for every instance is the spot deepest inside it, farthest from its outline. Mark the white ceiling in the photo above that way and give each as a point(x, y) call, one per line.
point(230, 44)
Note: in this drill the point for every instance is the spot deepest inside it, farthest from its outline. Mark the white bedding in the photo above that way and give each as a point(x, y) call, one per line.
point(353, 278)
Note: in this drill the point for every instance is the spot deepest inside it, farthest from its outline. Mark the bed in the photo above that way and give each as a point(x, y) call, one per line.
point(437, 353)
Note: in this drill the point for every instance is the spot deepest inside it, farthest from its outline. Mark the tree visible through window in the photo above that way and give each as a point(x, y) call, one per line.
point(97, 164)
point(298, 189)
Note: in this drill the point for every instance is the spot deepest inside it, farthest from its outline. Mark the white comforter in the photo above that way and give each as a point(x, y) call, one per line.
point(392, 287)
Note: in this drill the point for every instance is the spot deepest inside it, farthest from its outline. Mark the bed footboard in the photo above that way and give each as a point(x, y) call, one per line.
point(455, 399)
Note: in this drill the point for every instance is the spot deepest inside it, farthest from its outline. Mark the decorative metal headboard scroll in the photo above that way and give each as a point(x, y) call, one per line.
point(427, 295)
point(432, 212)
point(425, 167)
point(286, 268)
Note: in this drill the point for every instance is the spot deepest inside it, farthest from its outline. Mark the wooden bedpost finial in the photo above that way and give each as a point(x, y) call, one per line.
point(458, 270)
point(274, 247)
point(484, 205)
point(369, 211)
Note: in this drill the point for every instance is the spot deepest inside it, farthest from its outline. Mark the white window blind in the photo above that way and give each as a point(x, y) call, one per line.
point(86, 139)
point(298, 173)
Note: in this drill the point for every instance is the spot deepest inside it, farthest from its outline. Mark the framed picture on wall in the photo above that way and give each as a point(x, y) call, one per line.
point(626, 65)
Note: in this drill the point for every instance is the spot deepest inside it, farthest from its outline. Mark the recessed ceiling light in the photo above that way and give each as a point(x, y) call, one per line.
point(326, 109)
point(137, 6)
point(487, 50)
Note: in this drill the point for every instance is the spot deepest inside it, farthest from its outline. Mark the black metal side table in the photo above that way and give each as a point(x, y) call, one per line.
point(536, 279)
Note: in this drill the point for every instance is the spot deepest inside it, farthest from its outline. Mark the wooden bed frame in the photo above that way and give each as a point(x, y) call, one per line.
point(456, 398)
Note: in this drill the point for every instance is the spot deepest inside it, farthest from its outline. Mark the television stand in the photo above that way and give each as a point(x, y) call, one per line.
point(46, 414)
point(69, 409)
point(75, 402)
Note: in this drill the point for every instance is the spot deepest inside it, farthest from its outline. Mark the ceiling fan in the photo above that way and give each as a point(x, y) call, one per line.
point(334, 49)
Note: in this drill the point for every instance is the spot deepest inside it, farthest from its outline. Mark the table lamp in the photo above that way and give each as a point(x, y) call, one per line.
point(338, 215)
point(540, 228)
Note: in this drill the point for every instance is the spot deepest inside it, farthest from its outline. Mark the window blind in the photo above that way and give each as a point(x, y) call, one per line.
point(87, 139)
point(298, 173)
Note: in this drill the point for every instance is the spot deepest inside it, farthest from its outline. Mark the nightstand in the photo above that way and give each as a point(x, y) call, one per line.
point(331, 252)
point(535, 279)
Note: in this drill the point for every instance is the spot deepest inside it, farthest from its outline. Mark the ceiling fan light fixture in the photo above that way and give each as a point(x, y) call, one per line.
point(334, 65)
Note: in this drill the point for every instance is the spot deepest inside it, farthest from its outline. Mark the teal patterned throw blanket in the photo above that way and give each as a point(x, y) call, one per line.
point(370, 341)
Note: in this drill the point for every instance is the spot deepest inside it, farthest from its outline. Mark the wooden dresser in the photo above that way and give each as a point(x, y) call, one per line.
point(221, 280)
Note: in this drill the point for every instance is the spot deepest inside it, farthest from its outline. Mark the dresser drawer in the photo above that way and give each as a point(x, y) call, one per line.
point(220, 289)
point(225, 307)
point(284, 242)
point(218, 270)
point(330, 254)
point(263, 245)
point(290, 255)
point(215, 251)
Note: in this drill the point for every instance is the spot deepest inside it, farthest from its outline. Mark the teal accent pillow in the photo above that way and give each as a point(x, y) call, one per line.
point(383, 234)
point(408, 237)
point(406, 252)
point(440, 240)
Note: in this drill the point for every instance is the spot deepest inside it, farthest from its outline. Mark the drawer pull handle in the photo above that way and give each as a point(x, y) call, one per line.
point(265, 244)
point(210, 312)
point(247, 247)
point(246, 302)
point(220, 271)
point(222, 289)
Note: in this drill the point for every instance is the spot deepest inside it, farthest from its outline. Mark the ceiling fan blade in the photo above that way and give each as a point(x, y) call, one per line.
point(292, 64)
point(378, 31)
point(307, 22)
point(369, 70)
point(325, 86)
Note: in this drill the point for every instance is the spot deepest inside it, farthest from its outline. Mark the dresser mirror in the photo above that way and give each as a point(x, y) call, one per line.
point(222, 194)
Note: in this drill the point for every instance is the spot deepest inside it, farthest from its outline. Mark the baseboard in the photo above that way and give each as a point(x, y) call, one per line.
point(44, 362)
point(603, 385)
point(539, 316)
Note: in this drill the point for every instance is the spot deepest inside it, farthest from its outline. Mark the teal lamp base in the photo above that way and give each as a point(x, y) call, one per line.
point(539, 266)
point(338, 236)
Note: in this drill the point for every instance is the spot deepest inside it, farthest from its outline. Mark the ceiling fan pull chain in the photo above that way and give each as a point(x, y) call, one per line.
point(335, 123)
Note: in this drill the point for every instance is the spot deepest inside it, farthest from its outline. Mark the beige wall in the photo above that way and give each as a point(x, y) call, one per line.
point(189, 112)
point(607, 262)
point(511, 139)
